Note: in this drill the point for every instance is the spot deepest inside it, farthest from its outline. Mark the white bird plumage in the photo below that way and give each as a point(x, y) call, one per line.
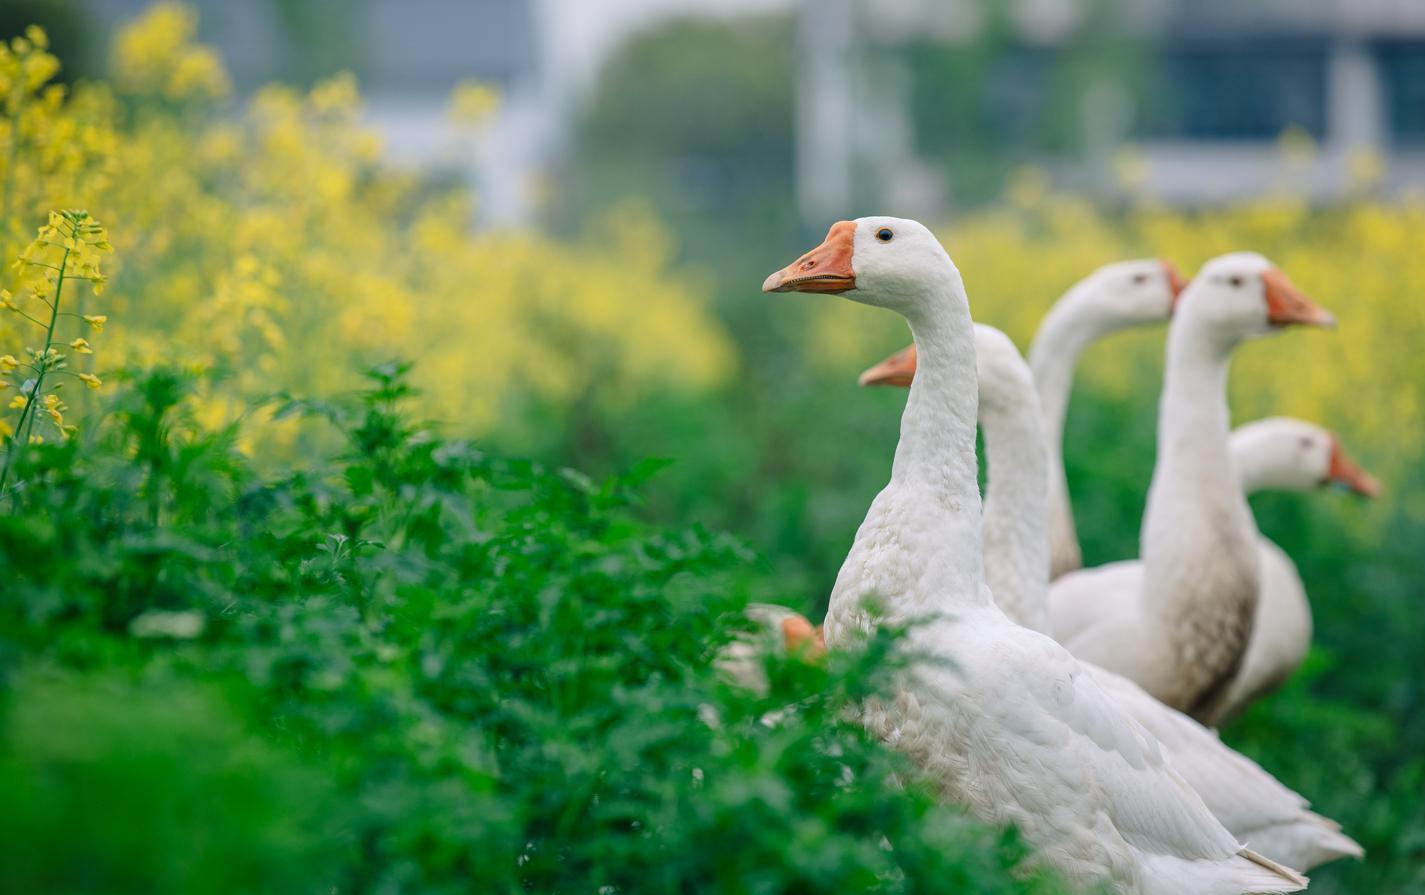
point(1182, 635)
point(1010, 724)
point(1248, 801)
point(1276, 453)
point(1251, 803)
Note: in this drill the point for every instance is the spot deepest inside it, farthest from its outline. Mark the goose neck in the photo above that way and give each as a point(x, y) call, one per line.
point(1063, 336)
point(1193, 416)
point(919, 551)
point(1254, 460)
point(1015, 530)
point(936, 453)
point(1199, 541)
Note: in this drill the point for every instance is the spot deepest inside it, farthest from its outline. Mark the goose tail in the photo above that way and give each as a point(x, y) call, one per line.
point(1267, 876)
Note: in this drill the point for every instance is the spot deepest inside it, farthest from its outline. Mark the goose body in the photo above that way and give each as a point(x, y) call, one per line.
point(1277, 453)
point(1253, 805)
point(1281, 629)
point(1002, 718)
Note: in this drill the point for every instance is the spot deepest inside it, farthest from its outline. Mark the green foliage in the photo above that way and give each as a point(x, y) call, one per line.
point(109, 784)
point(415, 666)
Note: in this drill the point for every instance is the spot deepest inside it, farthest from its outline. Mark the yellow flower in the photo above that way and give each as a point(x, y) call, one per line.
point(91, 380)
point(8, 363)
point(97, 321)
point(56, 416)
point(18, 402)
point(51, 402)
point(7, 300)
point(82, 346)
point(5, 429)
point(156, 55)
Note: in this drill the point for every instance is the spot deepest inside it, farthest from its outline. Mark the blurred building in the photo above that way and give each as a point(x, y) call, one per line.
point(1349, 73)
point(408, 54)
point(1336, 88)
point(1346, 77)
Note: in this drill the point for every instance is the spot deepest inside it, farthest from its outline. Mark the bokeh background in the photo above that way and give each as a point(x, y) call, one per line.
point(561, 211)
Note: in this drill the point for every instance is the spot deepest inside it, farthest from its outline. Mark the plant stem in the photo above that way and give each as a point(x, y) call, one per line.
point(25, 427)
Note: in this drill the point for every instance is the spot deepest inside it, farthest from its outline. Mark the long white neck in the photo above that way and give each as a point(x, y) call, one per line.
point(1199, 539)
point(1060, 340)
point(1065, 332)
point(1258, 461)
point(1016, 530)
point(1251, 474)
point(918, 552)
point(936, 451)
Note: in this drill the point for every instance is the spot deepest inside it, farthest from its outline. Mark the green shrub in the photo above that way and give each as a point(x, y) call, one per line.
point(490, 676)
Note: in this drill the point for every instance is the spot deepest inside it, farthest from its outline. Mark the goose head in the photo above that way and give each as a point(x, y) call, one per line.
point(1005, 379)
point(1129, 293)
point(1243, 295)
point(888, 262)
point(1293, 455)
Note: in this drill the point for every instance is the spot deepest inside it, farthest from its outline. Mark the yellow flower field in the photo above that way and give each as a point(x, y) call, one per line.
point(271, 247)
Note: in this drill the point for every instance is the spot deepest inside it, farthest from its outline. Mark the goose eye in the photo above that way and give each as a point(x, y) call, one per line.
point(884, 234)
point(1139, 279)
point(1235, 281)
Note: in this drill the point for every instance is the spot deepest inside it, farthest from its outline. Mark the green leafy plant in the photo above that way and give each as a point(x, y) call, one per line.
point(493, 676)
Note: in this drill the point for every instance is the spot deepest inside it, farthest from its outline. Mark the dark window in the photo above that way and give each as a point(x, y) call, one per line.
point(1244, 89)
point(1402, 72)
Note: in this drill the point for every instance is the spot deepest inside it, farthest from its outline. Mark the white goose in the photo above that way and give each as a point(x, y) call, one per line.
point(1182, 634)
point(1277, 453)
point(1003, 718)
point(1291, 455)
point(1114, 297)
point(1257, 809)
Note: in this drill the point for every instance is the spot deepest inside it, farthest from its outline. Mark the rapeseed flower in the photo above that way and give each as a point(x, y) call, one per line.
point(69, 246)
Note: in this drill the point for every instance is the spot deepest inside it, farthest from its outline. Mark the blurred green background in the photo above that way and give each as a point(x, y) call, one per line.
point(623, 181)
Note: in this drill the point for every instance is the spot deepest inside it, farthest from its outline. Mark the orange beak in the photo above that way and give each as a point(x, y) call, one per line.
point(825, 269)
point(1344, 471)
point(800, 637)
point(1175, 282)
point(898, 369)
point(1286, 305)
